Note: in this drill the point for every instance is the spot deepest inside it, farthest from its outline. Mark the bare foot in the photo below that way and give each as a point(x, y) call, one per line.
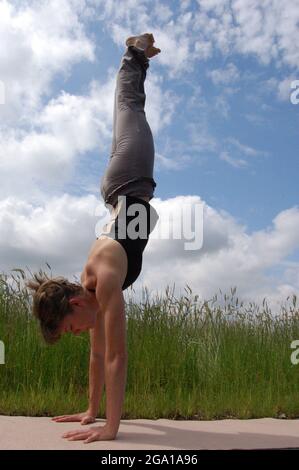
point(144, 42)
point(149, 37)
point(151, 51)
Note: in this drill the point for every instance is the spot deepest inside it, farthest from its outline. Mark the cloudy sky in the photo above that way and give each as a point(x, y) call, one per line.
point(225, 130)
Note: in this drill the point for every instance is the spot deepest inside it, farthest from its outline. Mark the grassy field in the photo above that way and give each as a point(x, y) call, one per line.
point(188, 359)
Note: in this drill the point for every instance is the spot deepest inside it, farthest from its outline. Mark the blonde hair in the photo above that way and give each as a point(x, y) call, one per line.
point(51, 302)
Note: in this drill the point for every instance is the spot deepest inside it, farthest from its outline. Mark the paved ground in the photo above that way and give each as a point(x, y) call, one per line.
point(18, 432)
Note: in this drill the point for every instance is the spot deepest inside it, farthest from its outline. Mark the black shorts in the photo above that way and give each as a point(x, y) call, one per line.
point(133, 236)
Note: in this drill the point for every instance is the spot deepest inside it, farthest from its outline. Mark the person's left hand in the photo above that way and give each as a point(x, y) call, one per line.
point(92, 434)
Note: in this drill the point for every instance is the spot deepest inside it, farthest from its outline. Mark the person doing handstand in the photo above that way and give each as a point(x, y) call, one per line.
point(115, 258)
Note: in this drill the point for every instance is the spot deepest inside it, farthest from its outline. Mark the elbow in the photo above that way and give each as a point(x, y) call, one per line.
point(97, 356)
point(117, 357)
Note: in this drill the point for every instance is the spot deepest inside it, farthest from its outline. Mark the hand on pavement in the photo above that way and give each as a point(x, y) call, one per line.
point(90, 435)
point(84, 418)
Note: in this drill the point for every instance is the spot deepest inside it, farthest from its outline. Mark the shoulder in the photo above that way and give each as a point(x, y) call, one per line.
point(108, 258)
point(108, 288)
point(104, 279)
point(107, 277)
point(88, 277)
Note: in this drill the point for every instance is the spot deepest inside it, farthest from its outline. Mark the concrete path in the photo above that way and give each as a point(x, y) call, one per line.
point(19, 432)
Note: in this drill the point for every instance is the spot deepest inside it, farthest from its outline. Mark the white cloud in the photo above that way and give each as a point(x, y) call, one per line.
point(171, 163)
point(267, 30)
point(184, 4)
point(212, 5)
point(162, 12)
point(222, 106)
point(39, 40)
point(245, 149)
point(224, 76)
point(256, 119)
point(281, 88)
point(122, 19)
point(230, 257)
point(235, 152)
point(202, 49)
point(58, 232)
point(41, 141)
point(233, 161)
point(200, 138)
point(160, 104)
point(68, 126)
point(284, 88)
point(230, 150)
point(61, 231)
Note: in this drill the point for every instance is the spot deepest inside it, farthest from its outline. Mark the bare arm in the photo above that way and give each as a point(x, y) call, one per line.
point(113, 355)
point(110, 298)
point(96, 365)
point(96, 372)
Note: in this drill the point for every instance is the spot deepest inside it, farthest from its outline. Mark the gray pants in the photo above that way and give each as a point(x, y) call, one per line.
point(130, 167)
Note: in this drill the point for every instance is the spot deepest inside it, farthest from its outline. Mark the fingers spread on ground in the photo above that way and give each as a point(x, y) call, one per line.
point(77, 437)
point(73, 433)
point(68, 419)
point(67, 434)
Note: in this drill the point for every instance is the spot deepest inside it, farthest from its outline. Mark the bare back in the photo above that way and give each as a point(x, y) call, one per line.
point(105, 252)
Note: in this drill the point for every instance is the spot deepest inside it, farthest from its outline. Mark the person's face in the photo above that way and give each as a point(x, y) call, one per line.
point(81, 319)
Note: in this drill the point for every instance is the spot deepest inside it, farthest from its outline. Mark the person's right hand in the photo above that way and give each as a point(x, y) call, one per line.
point(84, 418)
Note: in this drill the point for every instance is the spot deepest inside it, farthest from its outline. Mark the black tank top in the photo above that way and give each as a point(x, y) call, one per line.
point(133, 247)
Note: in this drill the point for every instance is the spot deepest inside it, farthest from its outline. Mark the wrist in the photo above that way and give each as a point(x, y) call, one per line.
point(113, 429)
point(92, 411)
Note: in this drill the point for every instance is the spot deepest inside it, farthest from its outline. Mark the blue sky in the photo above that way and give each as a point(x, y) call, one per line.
point(225, 131)
point(253, 116)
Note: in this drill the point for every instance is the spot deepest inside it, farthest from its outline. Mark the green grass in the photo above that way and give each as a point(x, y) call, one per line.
point(188, 359)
